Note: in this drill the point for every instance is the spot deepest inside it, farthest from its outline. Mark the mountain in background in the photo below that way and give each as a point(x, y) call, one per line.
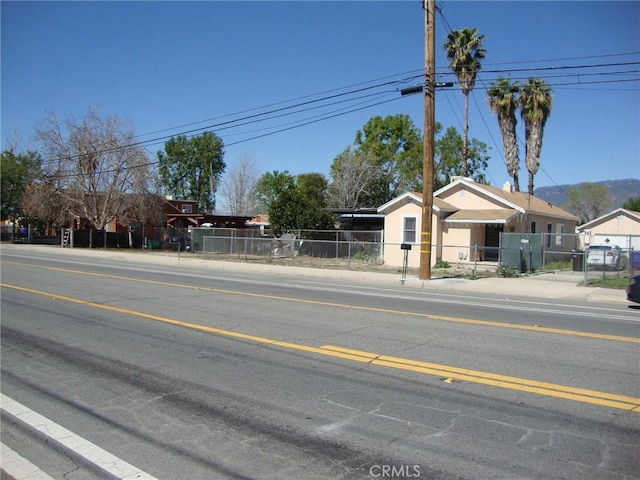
point(619, 190)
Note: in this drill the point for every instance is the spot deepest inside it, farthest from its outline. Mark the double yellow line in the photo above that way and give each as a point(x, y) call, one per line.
point(451, 374)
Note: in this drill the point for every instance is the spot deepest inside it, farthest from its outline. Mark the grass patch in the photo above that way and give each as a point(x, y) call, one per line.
point(442, 264)
point(558, 266)
point(617, 283)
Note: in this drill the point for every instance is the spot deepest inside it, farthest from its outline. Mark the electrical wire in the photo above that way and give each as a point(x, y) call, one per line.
point(298, 125)
point(236, 121)
point(301, 106)
point(545, 75)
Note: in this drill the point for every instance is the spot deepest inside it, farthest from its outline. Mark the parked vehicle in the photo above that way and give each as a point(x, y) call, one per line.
point(606, 256)
point(633, 289)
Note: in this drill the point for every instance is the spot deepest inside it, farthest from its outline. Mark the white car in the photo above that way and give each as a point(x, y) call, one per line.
point(607, 256)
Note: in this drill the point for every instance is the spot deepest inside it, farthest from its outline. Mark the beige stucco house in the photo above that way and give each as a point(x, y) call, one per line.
point(467, 220)
point(620, 227)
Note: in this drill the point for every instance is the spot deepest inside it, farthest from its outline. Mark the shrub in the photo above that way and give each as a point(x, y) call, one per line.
point(507, 271)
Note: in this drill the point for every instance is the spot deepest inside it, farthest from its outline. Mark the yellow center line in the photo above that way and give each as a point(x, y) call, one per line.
point(620, 402)
point(504, 381)
point(468, 321)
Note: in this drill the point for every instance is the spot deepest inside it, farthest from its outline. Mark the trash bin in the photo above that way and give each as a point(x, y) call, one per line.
point(577, 257)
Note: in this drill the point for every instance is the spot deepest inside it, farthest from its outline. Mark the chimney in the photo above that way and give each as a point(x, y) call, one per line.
point(507, 187)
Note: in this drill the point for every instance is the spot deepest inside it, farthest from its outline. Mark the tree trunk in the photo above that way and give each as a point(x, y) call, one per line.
point(530, 190)
point(465, 139)
point(516, 183)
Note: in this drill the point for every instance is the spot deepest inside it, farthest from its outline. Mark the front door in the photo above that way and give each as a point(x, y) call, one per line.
point(492, 242)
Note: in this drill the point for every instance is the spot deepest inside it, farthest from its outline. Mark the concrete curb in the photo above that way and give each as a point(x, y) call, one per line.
point(557, 285)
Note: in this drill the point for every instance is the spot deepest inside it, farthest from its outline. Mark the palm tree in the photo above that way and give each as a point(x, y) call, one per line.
point(503, 101)
point(535, 104)
point(464, 51)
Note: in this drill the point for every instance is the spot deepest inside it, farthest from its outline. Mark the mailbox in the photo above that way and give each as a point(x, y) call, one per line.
point(405, 246)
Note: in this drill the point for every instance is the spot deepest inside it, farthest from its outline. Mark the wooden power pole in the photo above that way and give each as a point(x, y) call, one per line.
point(428, 136)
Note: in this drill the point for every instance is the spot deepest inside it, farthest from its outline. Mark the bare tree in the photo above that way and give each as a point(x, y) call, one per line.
point(238, 186)
point(45, 202)
point(352, 173)
point(589, 201)
point(94, 165)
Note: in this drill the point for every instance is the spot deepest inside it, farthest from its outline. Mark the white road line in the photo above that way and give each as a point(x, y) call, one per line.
point(18, 467)
point(72, 443)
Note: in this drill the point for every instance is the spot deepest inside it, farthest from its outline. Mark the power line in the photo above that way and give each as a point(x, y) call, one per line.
point(262, 116)
point(547, 69)
point(413, 75)
point(235, 122)
point(310, 122)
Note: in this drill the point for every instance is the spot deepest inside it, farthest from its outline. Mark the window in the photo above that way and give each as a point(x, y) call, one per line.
point(549, 232)
point(409, 235)
point(187, 209)
point(533, 226)
point(560, 233)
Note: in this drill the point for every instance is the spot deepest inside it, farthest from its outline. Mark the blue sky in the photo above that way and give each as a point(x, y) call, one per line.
point(171, 67)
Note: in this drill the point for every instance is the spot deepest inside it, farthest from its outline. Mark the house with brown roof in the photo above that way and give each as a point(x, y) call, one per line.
point(467, 221)
point(620, 227)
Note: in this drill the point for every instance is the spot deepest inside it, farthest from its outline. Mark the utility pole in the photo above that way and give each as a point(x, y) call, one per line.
point(429, 7)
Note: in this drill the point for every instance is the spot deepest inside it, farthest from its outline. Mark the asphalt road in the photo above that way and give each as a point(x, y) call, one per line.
point(185, 373)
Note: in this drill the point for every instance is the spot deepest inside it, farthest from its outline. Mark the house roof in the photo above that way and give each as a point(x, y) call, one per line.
point(408, 197)
point(520, 201)
point(523, 202)
point(482, 216)
point(259, 220)
point(608, 216)
point(512, 202)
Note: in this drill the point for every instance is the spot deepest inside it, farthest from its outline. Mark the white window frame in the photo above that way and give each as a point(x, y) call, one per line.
point(405, 230)
point(559, 234)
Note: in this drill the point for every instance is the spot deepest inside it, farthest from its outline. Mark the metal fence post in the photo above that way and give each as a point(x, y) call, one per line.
point(475, 260)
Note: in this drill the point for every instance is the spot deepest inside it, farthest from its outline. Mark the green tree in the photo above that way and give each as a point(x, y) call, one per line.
point(314, 186)
point(633, 204)
point(191, 168)
point(270, 186)
point(535, 104)
point(388, 143)
point(588, 201)
point(293, 210)
point(503, 101)
point(19, 170)
point(448, 149)
point(464, 51)
point(294, 203)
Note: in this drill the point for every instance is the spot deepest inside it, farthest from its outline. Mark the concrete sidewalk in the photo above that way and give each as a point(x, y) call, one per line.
point(546, 285)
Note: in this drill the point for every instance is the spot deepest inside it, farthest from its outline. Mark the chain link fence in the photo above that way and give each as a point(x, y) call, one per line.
point(345, 249)
point(516, 253)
